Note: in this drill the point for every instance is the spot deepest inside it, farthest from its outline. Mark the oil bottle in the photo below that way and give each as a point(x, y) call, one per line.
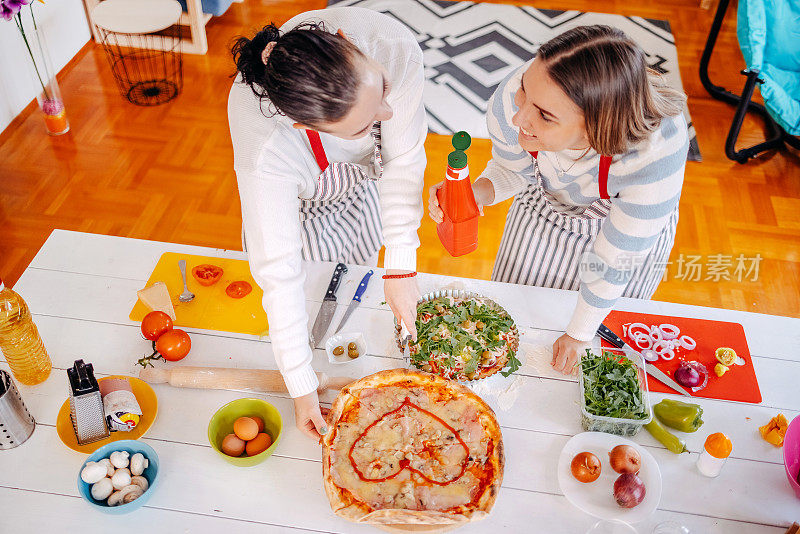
point(20, 341)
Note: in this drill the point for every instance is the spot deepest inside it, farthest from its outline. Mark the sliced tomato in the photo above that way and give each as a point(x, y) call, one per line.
point(207, 274)
point(238, 289)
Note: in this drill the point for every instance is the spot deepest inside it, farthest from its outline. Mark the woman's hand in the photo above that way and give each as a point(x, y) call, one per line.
point(402, 295)
point(308, 416)
point(567, 353)
point(481, 188)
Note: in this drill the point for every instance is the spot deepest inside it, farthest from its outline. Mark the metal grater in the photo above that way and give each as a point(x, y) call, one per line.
point(16, 423)
point(86, 404)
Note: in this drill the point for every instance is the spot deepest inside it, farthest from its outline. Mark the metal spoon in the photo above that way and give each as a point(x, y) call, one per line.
point(187, 295)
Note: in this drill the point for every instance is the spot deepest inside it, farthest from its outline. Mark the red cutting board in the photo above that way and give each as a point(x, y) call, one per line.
point(738, 384)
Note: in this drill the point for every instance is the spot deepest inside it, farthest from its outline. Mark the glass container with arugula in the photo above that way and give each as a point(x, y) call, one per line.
point(614, 393)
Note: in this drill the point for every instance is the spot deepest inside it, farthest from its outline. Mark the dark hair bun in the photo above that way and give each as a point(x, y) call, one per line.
point(247, 56)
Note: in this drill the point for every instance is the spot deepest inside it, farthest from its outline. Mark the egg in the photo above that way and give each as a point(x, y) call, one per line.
point(245, 428)
point(259, 422)
point(258, 444)
point(232, 445)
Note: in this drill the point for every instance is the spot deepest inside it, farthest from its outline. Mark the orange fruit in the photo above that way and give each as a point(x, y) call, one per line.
point(245, 428)
point(718, 445)
point(258, 444)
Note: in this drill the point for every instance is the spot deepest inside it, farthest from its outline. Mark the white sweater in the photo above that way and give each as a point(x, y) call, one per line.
point(644, 185)
point(275, 168)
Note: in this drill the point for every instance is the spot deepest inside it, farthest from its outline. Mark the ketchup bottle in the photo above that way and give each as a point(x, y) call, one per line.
point(458, 232)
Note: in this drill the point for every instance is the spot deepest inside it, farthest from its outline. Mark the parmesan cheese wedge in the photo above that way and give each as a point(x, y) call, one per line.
point(156, 297)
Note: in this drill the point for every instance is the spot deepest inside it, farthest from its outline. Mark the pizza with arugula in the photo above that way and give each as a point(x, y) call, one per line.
point(464, 338)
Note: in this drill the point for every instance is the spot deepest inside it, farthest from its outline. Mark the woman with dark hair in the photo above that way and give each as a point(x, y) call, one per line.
point(328, 127)
point(592, 146)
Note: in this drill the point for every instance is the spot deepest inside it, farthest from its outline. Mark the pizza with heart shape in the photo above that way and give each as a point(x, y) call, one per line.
point(406, 447)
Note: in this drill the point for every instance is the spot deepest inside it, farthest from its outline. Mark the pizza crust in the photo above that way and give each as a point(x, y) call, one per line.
point(347, 505)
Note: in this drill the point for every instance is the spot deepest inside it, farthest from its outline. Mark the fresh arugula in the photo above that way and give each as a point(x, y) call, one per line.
point(460, 349)
point(611, 386)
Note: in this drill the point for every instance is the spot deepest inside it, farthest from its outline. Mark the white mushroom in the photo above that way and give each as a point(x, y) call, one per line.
point(121, 478)
point(109, 467)
point(115, 499)
point(93, 472)
point(131, 493)
point(119, 459)
point(101, 490)
point(138, 464)
point(141, 482)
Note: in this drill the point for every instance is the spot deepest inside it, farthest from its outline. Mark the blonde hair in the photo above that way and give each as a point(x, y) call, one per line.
point(605, 73)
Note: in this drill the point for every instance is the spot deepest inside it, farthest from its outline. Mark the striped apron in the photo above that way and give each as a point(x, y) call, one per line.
point(341, 222)
point(544, 247)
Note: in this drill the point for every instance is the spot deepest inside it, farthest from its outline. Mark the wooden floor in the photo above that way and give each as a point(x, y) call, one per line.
point(165, 173)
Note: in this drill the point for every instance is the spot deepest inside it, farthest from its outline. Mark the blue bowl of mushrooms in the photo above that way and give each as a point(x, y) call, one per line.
point(119, 478)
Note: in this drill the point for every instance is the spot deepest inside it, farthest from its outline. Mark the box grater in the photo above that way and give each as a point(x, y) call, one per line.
point(86, 404)
point(16, 423)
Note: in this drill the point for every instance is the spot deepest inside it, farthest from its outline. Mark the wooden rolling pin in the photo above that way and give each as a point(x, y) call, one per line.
point(227, 378)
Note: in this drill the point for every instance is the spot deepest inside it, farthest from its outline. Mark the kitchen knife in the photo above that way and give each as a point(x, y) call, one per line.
point(262, 380)
point(605, 333)
point(328, 306)
point(356, 300)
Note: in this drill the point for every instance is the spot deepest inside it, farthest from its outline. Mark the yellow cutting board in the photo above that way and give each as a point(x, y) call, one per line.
point(211, 308)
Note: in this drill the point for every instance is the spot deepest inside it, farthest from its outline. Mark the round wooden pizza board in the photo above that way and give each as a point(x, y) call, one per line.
point(428, 529)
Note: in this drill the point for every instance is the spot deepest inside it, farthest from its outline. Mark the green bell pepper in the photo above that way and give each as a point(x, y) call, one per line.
point(668, 439)
point(682, 416)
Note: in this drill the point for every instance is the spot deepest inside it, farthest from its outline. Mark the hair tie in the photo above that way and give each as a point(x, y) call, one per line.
point(267, 51)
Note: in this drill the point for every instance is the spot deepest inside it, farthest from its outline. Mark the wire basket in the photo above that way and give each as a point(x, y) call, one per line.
point(148, 67)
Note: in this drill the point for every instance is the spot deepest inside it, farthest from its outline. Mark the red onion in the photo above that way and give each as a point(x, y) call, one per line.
point(669, 331)
point(688, 343)
point(629, 490)
point(692, 375)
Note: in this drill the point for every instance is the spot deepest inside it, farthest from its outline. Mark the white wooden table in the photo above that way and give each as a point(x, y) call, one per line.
point(81, 288)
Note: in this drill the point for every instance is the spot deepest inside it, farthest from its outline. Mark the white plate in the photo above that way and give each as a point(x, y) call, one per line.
point(343, 340)
point(597, 498)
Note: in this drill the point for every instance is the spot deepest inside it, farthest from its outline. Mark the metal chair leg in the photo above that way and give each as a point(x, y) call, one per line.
point(775, 141)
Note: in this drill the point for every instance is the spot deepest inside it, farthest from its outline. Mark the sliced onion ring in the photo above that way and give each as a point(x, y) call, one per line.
point(640, 326)
point(687, 343)
point(643, 341)
point(668, 354)
point(669, 331)
point(655, 333)
point(649, 355)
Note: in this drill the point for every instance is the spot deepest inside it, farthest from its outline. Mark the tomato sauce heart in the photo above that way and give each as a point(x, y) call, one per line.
point(405, 463)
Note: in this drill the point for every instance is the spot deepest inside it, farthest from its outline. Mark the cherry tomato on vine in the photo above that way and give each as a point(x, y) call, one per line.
point(207, 274)
point(239, 289)
point(155, 324)
point(174, 345)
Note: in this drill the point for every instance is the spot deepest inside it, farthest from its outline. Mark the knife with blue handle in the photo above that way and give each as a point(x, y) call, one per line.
point(607, 334)
point(362, 287)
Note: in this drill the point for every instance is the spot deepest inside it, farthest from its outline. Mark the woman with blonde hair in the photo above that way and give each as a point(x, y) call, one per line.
point(592, 146)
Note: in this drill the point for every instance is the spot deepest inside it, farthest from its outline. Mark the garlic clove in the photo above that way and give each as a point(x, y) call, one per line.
point(93, 472)
point(141, 482)
point(138, 464)
point(121, 478)
point(109, 467)
point(102, 489)
point(119, 459)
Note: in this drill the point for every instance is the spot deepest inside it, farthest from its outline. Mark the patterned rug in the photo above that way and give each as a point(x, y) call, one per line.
point(469, 48)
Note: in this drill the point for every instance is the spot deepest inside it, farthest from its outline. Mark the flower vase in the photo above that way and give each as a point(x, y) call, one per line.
point(44, 76)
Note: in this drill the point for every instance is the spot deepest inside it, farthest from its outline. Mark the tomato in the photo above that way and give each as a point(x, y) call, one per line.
point(206, 274)
point(238, 289)
point(174, 345)
point(154, 324)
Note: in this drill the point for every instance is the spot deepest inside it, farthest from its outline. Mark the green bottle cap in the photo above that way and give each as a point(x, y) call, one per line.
point(458, 159)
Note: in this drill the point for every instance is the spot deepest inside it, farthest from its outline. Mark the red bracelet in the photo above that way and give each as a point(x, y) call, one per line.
point(407, 275)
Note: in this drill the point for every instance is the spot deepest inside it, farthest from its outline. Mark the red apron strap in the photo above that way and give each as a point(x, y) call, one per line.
point(316, 147)
point(605, 163)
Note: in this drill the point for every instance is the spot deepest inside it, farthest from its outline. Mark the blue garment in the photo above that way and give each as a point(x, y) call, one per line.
point(212, 7)
point(769, 36)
